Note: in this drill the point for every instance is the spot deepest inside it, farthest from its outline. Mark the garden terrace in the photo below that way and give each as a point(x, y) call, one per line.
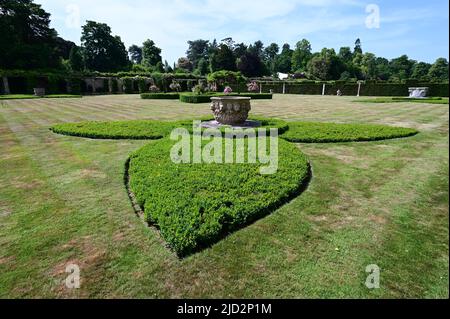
point(382, 200)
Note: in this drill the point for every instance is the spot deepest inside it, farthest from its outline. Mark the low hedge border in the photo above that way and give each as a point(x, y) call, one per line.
point(206, 98)
point(30, 97)
point(160, 96)
point(131, 130)
point(431, 100)
point(144, 129)
point(310, 132)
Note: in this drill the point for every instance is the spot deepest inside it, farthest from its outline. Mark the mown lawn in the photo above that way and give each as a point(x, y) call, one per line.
point(63, 201)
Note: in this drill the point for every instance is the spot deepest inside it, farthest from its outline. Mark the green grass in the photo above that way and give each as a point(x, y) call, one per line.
point(431, 100)
point(194, 205)
point(307, 132)
point(63, 201)
point(30, 96)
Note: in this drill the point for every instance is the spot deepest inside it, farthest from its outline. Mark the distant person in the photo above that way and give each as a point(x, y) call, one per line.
point(339, 93)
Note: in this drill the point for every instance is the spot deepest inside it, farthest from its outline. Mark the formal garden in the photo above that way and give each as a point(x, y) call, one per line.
point(89, 178)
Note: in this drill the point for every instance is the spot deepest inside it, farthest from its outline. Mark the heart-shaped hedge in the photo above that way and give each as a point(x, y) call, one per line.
point(195, 205)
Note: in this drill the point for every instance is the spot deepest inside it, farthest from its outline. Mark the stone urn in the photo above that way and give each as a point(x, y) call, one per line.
point(39, 92)
point(230, 110)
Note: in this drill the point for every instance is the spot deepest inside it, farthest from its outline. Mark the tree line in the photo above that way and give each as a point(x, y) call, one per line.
point(28, 42)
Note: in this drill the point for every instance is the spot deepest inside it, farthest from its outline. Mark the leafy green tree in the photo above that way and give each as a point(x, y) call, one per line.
point(420, 71)
point(135, 53)
point(358, 47)
point(203, 67)
point(197, 50)
point(184, 64)
point(326, 66)
point(283, 62)
point(101, 50)
point(368, 66)
point(401, 68)
point(270, 56)
point(250, 65)
point(76, 59)
point(257, 49)
point(345, 53)
point(301, 56)
point(223, 59)
point(27, 41)
point(151, 54)
point(439, 70)
point(167, 67)
point(240, 49)
point(383, 69)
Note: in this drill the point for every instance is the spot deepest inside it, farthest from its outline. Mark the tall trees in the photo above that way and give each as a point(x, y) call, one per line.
point(27, 41)
point(301, 56)
point(197, 50)
point(401, 68)
point(439, 70)
point(76, 59)
point(326, 66)
point(223, 59)
point(102, 51)
point(151, 54)
point(284, 60)
point(420, 71)
point(270, 56)
point(250, 64)
point(135, 53)
point(184, 64)
point(358, 46)
point(345, 53)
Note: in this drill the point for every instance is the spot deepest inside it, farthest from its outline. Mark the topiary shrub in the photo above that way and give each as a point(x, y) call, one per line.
point(195, 205)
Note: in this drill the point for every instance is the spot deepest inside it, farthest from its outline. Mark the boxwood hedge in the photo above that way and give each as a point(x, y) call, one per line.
point(143, 129)
point(431, 100)
point(195, 205)
point(307, 132)
point(206, 98)
point(136, 130)
point(30, 96)
point(160, 96)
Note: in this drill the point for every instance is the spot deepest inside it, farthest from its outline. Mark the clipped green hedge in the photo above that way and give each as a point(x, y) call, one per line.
point(135, 130)
point(143, 129)
point(308, 132)
point(206, 98)
point(160, 96)
point(30, 96)
point(195, 205)
point(432, 100)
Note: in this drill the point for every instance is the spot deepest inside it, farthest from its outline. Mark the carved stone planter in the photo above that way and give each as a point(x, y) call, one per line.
point(231, 110)
point(39, 92)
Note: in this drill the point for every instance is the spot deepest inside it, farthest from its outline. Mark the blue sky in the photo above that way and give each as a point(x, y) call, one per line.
point(416, 28)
